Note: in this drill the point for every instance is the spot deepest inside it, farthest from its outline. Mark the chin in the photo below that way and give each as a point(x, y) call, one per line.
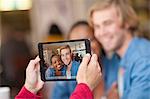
point(66, 63)
point(108, 49)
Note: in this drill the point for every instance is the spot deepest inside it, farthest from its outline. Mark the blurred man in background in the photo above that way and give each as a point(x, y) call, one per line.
point(116, 26)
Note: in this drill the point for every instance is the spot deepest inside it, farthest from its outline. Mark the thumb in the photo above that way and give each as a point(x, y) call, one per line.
point(93, 60)
point(82, 69)
point(37, 59)
point(32, 63)
point(85, 60)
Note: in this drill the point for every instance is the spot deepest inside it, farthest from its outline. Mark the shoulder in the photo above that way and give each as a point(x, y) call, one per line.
point(50, 70)
point(142, 62)
point(75, 62)
point(137, 50)
point(142, 47)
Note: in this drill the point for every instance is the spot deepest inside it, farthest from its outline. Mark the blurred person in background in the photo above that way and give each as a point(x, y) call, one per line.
point(14, 57)
point(81, 30)
point(110, 60)
point(115, 25)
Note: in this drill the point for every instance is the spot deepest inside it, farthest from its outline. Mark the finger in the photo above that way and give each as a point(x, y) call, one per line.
point(93, 62)
point(94, 57)
point(85, 60)
point(30, 65)
point(99, 68)
point(36, 63)
point(38, 67)
point(37, 59)
point(33, 63)
point(39, 76)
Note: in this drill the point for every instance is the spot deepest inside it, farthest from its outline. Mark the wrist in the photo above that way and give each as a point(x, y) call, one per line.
point(30, 88)
point(91, 88)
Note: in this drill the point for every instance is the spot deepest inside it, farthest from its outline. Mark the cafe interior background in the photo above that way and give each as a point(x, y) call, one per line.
point(29, 22)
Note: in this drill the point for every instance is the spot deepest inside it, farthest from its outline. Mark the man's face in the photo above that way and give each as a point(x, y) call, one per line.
point(108, 28)
point(66, 56)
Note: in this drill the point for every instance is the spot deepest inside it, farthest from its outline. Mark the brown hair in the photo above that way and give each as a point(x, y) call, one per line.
point(65, 47)
point(128, 15)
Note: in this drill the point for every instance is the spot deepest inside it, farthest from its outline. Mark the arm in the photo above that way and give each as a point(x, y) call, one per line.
point(25, 93)
point(33, 82)
point(82, 91)
point(88, 77)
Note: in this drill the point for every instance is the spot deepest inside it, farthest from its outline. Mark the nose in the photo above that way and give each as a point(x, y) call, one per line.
point(102, 31)
point(57, 62)
point(65, 57)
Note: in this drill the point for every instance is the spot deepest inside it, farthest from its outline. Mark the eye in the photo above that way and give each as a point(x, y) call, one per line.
point(67, 53)
point(108, 22)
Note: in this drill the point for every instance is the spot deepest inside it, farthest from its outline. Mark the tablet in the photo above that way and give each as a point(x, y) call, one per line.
point(60, 60)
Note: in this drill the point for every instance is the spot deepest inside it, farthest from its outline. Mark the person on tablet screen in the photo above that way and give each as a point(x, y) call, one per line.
point(57, 69)
point(66, 57)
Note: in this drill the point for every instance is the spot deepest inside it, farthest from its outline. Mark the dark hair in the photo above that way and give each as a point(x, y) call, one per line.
point(54, 56)
point(78, 23)
point(54, 30)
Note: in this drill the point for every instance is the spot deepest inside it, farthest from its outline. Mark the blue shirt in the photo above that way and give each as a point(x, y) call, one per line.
point(74, 68)
point(51, 72)
point(110, 70)
point(63, 89)
point(136, 65)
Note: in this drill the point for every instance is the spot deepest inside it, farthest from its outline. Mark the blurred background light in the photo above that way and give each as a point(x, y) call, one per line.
point(23, 4)
point(10, 5)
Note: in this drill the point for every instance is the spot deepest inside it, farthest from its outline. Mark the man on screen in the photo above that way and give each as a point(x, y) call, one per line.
point(66, 57)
